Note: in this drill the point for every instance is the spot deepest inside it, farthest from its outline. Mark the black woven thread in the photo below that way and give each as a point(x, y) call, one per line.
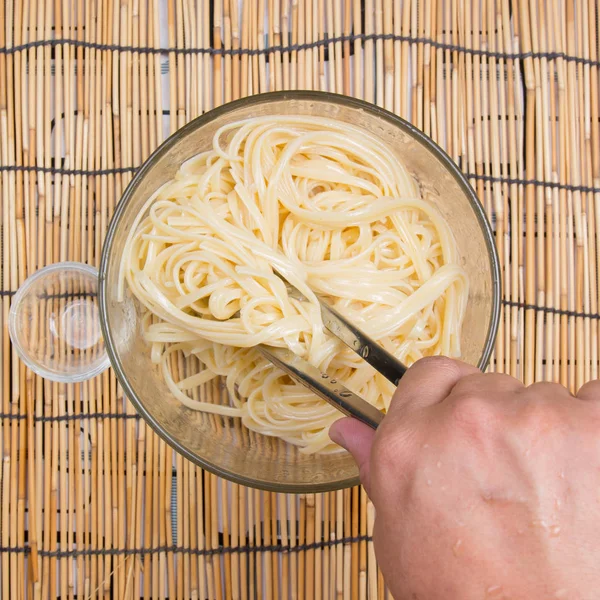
point(355, 37)
point(504, 301)
point(584, 189)
point(60, 171)
point(550, 310)
point(279, 548)
point(70, 417)
point(61, 296)
point(477, 176)
point(67, 295)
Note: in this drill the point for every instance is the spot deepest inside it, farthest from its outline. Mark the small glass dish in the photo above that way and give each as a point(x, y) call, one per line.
point(223, 445)
point(54, 323)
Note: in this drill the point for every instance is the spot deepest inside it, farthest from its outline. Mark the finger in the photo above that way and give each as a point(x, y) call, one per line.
point(590, 391)
point(427, 382)
point(485, 384)
point(357, 438)
point(549, 390)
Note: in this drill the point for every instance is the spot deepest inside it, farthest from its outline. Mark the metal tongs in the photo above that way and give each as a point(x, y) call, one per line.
point(331, 390)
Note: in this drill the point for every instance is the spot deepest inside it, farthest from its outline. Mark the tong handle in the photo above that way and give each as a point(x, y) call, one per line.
point(324, 386)
point(369, 350)
point(372, 352)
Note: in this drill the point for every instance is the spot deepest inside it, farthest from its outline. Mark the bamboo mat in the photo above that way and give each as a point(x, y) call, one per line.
point(93, 504)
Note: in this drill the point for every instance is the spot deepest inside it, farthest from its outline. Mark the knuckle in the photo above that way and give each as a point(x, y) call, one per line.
point(437, 364)
point(468, 385)
point(547, 389)
point(496, 382)
point(590, 391)
point(472, 414)
point(504, 381)
point(539, 417)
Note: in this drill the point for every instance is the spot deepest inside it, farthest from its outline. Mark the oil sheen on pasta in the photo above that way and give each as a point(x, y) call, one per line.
point(335, 212)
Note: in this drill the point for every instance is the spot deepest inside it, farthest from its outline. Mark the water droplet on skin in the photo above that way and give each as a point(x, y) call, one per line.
point(443, 488)
point(425, 446)
point(493, 591)
point(439, 464)
point(429, 482)
point(562, 475)
point(456, 547)
point(554, 530)
point(562, 593)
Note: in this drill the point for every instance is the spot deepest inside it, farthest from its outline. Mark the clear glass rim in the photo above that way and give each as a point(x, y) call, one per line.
point(75, 267)
point(201, 121)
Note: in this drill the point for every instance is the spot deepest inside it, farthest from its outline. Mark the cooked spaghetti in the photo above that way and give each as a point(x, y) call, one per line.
point(316, 202)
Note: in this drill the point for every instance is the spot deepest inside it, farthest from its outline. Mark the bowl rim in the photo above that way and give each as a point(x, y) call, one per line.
point(206, 118)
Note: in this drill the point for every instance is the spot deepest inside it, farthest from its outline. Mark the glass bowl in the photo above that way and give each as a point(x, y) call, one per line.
point(53, 323)
point(221, 444)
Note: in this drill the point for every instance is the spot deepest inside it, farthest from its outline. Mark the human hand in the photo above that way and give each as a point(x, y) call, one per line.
point(483, 488)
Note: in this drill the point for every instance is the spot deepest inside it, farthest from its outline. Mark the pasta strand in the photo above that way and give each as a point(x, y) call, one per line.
point(324, 205)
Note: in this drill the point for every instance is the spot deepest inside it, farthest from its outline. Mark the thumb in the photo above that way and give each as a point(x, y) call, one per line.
point(357, 438)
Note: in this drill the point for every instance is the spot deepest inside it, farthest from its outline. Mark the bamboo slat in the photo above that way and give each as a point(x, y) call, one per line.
point(93, 504)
